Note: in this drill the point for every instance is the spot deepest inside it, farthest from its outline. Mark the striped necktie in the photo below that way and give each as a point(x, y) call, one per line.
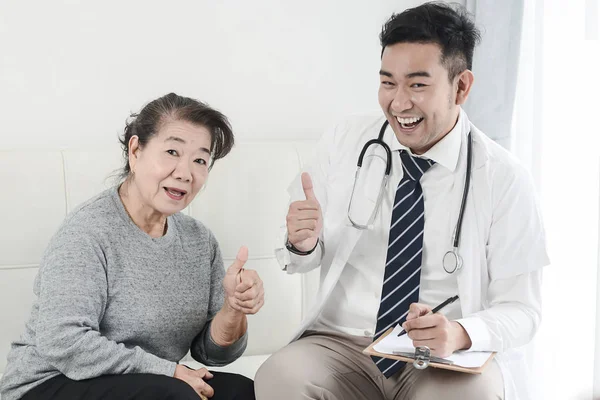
point(403, 262)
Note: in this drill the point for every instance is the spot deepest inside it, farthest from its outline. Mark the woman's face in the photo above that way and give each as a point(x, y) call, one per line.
point(171, 168)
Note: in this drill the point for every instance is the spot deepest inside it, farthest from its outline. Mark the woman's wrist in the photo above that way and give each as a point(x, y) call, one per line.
point(228, 326)
point(230, 314)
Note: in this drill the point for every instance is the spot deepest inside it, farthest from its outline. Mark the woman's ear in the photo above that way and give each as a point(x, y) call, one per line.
point(134, 148)
point(464, 82)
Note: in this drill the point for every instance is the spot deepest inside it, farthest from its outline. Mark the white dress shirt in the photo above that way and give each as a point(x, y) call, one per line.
point(354, 303)
point(502, 242)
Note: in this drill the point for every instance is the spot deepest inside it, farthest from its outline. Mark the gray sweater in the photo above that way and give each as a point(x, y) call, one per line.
point(113, 300)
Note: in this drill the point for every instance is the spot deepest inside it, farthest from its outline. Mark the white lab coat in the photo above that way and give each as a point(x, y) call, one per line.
point(518, 253)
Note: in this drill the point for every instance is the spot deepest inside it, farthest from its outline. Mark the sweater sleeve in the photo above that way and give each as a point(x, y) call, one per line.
point(206, 351)
point(217, 292)
point(72, 299)
point(203, 348)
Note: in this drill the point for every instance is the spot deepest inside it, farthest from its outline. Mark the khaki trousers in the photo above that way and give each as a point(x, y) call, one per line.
point(331, 366)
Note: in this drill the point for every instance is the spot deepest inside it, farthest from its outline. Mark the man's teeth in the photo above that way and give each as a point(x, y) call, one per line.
point(407, 121)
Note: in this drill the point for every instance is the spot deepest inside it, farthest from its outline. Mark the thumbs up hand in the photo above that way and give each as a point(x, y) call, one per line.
point(244, 290)
point(304, 218)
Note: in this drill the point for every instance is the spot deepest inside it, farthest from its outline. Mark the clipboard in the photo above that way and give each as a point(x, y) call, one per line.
point(422, 358)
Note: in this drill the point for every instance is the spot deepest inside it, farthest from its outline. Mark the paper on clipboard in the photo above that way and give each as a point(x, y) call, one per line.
point(392, 343)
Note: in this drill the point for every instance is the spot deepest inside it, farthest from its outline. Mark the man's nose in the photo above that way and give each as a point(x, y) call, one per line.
point(402, 101)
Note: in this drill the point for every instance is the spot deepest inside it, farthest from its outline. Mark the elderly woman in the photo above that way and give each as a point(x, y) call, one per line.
point(129, 284)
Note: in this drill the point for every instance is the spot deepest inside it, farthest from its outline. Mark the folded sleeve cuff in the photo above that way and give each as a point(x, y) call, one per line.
point(295, 263)
point(209, 353)
point(219, 355)
point(481, 339)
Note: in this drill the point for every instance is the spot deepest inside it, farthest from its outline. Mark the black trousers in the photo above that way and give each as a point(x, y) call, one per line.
point(140, 387)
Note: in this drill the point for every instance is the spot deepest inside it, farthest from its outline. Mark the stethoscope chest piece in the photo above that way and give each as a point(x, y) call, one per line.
point(452, 261)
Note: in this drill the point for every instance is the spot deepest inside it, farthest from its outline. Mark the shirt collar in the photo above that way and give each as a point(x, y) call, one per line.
point(446, 151)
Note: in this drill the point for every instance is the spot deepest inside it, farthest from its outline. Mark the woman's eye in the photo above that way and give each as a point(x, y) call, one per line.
point(172, 152)
point(201, 161)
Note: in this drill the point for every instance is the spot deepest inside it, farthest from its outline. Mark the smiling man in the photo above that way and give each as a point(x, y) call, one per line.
point(421, 91)
point(383, 262)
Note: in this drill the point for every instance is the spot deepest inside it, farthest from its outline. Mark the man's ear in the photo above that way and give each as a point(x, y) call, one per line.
point(464, 82)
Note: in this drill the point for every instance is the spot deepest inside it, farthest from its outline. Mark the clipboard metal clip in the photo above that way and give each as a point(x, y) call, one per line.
point(422, 357)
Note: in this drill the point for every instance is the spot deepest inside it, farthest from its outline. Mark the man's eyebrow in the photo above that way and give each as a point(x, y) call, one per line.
point(423, 74)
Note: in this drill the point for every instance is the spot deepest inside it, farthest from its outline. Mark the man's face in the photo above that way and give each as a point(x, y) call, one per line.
point(416, 96)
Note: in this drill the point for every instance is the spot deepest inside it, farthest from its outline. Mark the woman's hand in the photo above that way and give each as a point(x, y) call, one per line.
point(196, 379)
point(244, 290)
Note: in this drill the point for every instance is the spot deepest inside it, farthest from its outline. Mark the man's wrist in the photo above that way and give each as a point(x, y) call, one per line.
point(462, 340)
point(291, 248)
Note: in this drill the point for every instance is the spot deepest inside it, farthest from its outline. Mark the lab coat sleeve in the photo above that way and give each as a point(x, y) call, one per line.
point(515, 253)
point(319, 167)
point(295, 263)
point(513, 317)
point(516, 242)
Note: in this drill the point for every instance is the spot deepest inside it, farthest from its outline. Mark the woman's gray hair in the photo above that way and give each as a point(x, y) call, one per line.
point(173, 107)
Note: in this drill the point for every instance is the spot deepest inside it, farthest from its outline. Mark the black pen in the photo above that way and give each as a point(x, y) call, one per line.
point(438, 308)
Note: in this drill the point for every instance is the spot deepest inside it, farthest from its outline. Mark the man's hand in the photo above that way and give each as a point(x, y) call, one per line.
point(304, 218)
point(443, 337)
point(244, 290)
point(196, 379)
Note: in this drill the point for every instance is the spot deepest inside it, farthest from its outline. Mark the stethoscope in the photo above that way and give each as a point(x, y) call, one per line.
point(452, 261)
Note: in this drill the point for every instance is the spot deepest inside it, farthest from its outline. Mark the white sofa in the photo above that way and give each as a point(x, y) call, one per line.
point(243, 203)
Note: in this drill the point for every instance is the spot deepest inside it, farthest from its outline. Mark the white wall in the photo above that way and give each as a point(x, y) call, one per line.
point(71, 71)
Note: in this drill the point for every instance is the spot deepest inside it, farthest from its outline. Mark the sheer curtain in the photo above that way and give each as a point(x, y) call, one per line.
point(557, 99)
point(555, 135)
point(554, 131)
point(495, 65)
